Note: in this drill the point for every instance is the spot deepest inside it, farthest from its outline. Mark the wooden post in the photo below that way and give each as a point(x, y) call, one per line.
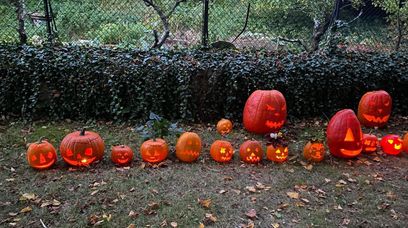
point(48, 20)
point(21, 12)
point(206, 4)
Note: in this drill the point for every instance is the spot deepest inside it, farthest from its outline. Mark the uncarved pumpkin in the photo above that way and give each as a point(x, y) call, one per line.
point(314, 151)
point(224, 126)
point(391, 144)
point(251, 152)
point(121, 155)
point(374, 108)
point(82, 148)
point(221, 151)
point(188, 147)
point(344, 134)
point(154, 150)
point(41, 155)
point(264, 111)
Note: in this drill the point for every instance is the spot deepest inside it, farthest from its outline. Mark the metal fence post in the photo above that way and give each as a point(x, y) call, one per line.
point(48, 20)
point(205, 23)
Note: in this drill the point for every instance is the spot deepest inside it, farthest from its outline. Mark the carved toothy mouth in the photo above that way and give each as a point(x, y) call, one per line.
point(192, 153)
point(225, 158)
point(370, 149)
point(82, 162)
point(273, 124)
point(252, 158)
point(376, 119)
point(280, 157)
point(350, 152)
point(123, 161)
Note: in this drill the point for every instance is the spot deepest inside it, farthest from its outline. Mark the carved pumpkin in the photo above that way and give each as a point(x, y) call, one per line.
point(154, 150)
point(405, 143)
point(251, 152)
point(370, 143)
point(121, 155)
point(224, 126)
point(41, 155)
point(391, 144)
point(314, 151)
point(374, 109)
point(221, 151)
point(344, 134)
point(277, 152)
point(265, 111)
point(81, 148)
point(188, 147)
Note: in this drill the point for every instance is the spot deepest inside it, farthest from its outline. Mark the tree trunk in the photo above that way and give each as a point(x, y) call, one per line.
point(21, 13)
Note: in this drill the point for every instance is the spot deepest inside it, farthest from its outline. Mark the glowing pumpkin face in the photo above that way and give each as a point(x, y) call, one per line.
point(251, 152)
point(405, 143)
point(188, 147)
point(265, 111)
point(314, 151)
point(221, 151)
point(370, 143)
point(277, 153)
point(391, 144)
point(344, 135)
point(121, 155)
point(224, 126)
point(41, 155)
point(81, 148)
point(374, 109)
point(154, 151)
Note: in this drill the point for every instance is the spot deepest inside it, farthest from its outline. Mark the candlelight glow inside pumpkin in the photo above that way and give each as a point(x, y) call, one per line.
point(154, 151)
point(188, 147)
point(221, 151)
point(370, 143)
point(41, 155)
point(277, 153)
point(251, 152)
point(391, 144)
point(224, 126)
point(121, 155)
point(314, 151)
point(374, 108)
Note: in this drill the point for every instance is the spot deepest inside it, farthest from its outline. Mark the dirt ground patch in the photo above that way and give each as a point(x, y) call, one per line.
point(369, 191)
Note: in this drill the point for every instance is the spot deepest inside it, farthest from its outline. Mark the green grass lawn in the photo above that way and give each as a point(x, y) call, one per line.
point(370, 191)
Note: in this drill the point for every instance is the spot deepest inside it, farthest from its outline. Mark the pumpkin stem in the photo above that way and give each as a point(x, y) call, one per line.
point(82, 133)
point(41, 139)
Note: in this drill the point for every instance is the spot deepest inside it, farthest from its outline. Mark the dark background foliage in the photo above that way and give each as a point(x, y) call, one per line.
point(101, 83)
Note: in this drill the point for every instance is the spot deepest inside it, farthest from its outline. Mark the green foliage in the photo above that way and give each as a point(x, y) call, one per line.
point(102, 83)
point(158, 127)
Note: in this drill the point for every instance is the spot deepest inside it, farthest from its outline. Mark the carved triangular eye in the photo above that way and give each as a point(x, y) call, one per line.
point(390, 141)
point(69, 153)
point(278, 151)
point(49, 155)
point(349, 136)
point(88, 151)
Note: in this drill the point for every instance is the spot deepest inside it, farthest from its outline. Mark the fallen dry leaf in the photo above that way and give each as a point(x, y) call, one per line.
point(205, 203)
point(293, 195)
point(173, 224)
point(222, 191)
point(251, 189)
point(210, 217)
point(201, 225)
point(275, 225)
point(133, 214)
point(26, 209)
point(28, 196)
point(251, 214)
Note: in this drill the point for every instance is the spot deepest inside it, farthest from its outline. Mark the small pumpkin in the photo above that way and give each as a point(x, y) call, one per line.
point(391, 144)
point(405, 143)
point(121, 155)
point(277, 152)
point(314, 151)
point(344, 135)
point(251, 152)
point(188, 147)
point(224, 126)
point(82, 148)
point(264, 111)
point(41, 155)
point(154, 150)
point(374, 108)
point(221, 151)
point(370, 143)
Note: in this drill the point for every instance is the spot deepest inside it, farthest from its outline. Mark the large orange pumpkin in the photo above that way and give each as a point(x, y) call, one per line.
point(265, 111)
point(374, 109)
point(405, 143)
point(221, 151)
point(154, 150)
point(41, 155)
point(251, 152)
point(121, 155)
point(188, 147)
point(224, 126)
point(81, 148)
point(314, 151)
point(344, 134)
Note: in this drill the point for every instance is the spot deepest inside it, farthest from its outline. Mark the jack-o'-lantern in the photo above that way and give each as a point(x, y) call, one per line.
point(224, 126)
point(188, 147)
point(391, 144)
point(370, 143)
point(251, 152)
point(405, 143)
point(314, 151)
point(81, 148)
point(374, 109)
point(264, 111)
point(154, 150)
point(344, 135)
point(221, 151)
point(41, 155)
point(121, 155)
point(277, 152)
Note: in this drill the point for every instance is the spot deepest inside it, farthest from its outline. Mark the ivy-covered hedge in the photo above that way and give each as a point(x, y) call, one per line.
point(97, 83)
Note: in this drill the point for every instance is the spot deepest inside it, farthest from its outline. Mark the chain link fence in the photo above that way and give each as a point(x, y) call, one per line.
point(130, 23)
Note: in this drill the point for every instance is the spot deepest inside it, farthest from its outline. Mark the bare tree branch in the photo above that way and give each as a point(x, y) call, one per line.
point(246, 23)
point(296, 41)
